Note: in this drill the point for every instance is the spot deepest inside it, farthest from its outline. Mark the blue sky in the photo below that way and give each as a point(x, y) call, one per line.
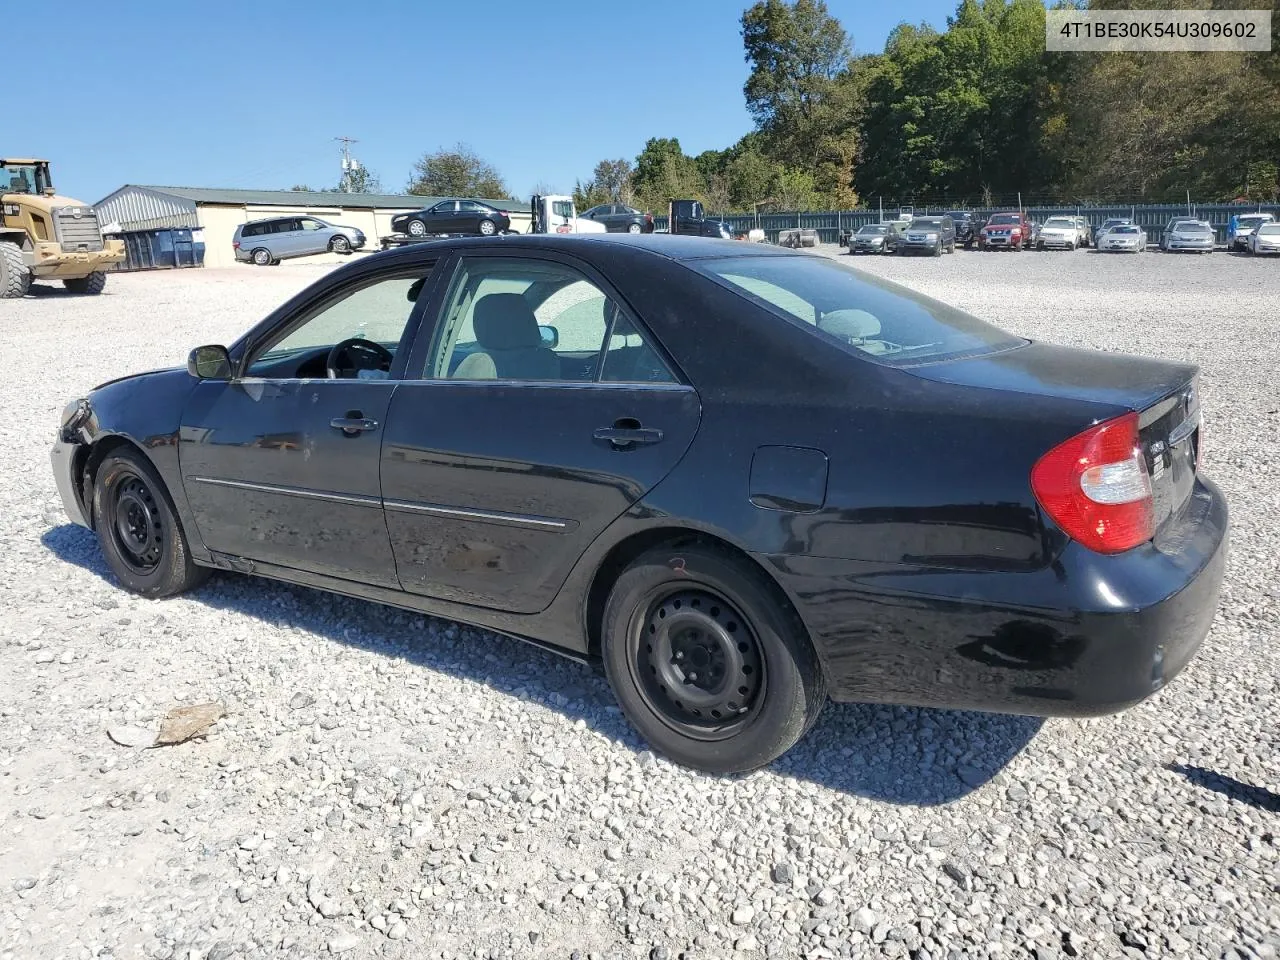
point(251, 94)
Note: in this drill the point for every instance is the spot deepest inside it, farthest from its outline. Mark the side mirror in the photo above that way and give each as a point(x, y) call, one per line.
point(209, 363)
point(550, 337)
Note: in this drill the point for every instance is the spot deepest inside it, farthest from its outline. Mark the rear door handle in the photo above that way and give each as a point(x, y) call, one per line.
point(622, 437)
point(353, 425)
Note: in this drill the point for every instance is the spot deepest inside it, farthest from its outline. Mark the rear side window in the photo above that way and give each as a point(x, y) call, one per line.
point(878, 319)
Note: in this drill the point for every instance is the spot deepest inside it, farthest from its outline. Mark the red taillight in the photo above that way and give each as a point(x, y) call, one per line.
point(1096, 487)
point(235, 244)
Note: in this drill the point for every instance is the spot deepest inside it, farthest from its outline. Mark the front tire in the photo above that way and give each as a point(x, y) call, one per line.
point(138, 529)
point(340, 244)
point(633, 228)
point(15, 277)
point(262, 257)
point(708, 661)
point(416, 228)
point(91, 286)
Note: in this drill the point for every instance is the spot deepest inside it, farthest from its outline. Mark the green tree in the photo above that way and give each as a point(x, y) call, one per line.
point(664, 172)
point(458, 172)
point(360, 180)
point(804, 99)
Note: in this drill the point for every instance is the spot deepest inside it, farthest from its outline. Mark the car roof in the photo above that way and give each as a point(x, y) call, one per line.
point(655, 244)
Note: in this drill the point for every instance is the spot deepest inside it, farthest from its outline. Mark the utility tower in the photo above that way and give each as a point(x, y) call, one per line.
point(348, 164)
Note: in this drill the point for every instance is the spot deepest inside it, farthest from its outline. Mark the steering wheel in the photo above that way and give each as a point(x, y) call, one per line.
point(352, 348)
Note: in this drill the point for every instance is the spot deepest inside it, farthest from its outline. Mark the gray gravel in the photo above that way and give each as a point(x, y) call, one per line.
point(395, 786)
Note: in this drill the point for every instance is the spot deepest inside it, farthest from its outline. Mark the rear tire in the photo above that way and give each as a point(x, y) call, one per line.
point(138, 528)
point(487, 228)
point(92, 285)
point(15, 277)
point(677, 611)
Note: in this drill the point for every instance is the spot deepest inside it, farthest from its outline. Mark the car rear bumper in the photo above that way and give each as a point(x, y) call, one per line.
point(63, 456)
point(1092, 634)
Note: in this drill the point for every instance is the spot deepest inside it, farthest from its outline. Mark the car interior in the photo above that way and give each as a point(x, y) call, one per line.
point(497, 327)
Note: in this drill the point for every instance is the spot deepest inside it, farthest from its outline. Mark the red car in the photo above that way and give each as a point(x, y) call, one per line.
point(1006, 231)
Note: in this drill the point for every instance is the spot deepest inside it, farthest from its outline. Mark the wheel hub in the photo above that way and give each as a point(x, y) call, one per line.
point(138, 529)
point(700, 661)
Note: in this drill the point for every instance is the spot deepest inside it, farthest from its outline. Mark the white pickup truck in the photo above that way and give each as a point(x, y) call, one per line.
point(555, 214)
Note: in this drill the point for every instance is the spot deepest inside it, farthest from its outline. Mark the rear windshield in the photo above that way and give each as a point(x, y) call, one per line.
point(878, 319)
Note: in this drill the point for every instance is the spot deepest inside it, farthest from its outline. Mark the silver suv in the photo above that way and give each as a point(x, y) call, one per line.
point(265, 242)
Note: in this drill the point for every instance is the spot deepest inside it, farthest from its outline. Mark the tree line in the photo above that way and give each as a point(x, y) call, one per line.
point(977, 114)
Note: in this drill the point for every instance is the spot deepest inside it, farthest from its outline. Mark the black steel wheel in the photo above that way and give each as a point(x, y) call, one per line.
point(708, 659)
point(698, 663)
point(138, 528)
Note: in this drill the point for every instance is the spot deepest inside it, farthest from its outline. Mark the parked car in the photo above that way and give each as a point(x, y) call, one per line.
point(1187, 234)
point(931, 235)
point(1006, 231)
point(876, 238)
point(1265, 238)
point(967, 227)
point(1238, 238)
point(1086, 231)
point(453, 217)
point(687, 218)
point(619, 218)
point(551, 436)
point(1124, 238)
point(268, 241)
point(1059, 233)
point(1107, 225)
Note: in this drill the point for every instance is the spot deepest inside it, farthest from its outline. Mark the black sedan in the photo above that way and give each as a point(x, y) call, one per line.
point(453, 217)
point(742, 478)
point(619, 218)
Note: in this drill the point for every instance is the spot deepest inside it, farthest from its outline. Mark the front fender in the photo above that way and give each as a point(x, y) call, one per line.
point(145, 412)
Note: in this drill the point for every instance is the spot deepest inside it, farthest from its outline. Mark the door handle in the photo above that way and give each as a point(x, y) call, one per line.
point(353, 426)
point(626, 432)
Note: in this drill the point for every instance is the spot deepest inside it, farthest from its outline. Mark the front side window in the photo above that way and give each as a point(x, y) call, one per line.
point(879, 319)
point(313, 225)
point(447, 207)
point(535, 320)
point(378, 311)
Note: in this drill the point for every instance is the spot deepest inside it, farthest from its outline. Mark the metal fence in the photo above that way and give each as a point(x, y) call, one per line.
point(1152, 217)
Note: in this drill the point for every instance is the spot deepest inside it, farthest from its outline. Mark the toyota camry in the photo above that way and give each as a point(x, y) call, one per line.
point(743, 478)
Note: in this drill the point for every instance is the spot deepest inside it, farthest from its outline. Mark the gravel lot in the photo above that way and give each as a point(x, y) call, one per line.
point(389, 785)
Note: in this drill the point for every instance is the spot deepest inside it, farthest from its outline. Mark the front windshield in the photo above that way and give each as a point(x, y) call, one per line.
point(1004, 219)
point(23, 178)
point(1193, 228)
point(925, 224)
point(1269, 229)
point(874, 230)
point(1060, 222)
point(879, 319)
point(1252, 222)
point(1124, 229)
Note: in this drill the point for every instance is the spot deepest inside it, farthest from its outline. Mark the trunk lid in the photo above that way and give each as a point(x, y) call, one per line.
point(1163, 394)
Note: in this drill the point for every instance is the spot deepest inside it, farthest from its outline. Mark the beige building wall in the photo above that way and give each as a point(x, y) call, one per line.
point(219, 222)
